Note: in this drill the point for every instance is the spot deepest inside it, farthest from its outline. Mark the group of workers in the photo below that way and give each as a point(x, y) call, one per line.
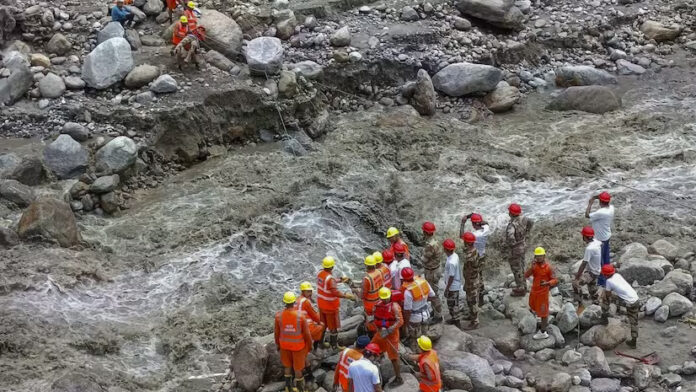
point(396, 300)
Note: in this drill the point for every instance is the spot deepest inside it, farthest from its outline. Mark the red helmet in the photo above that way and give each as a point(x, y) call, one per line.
point(399, 248)
point(407, 274)
point(388, 256)
point(429, 227)
point(587, 231)
point(449, 244)
point(476, 218)
point(373, 348)
point(515, 209)
point(605, 197)
point(469, 237)
point(608, 270)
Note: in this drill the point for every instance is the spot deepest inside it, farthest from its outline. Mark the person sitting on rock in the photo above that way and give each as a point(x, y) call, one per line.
point(616, 284)
point(544, 278)
point(122, 14)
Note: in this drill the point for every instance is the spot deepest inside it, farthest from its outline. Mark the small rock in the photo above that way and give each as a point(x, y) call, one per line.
point(76, 131)
point(409, 14)
point(678, 304)
point(164, 84)
point(461, 24)
point(662, 314)
point(658, 32)
point(605, 385)
point(51, 86)
point(651, 305)
point(141, 75)
point(341, 37)
point(105, 184)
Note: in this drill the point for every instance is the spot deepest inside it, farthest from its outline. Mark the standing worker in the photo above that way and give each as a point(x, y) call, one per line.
point(589, 269)
point(432, 256)
point(601, 221)
point(304, 303)
point(481, 231)
point(400, 262)
point(628, 297)
point(388, 320)
point(293, 340)
point(329, 299)
point(516, 242)
point(191, 13)
point(371, 284)
point(417, 293)
point(471, 276)
point(453, 280)
point(363, 374)
point(544, 279)
point(171, 6)
point(383, 261)
point(394, 237)
point(428, 374)
point(348, 356)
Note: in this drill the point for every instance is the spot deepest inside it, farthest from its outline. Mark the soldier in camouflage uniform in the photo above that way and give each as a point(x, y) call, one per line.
point(432, 256)
point(471, 278)
point(619, 290)
point(516, 241)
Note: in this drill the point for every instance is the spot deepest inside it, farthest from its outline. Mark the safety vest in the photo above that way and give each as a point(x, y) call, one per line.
point(370, 298)
point(386, 275)
point(347, 357)
point(291, 337)
point(299, 305)
point(430, 360)
point(419, 288)
point(192, 19)
point(180, 32)
point(326, 300)
point(384, 314)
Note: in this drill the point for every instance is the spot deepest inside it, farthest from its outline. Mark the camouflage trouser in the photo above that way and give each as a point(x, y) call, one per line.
point(632, 311)
point(482, 262)
point(472, 297)
point(183, 55)
point(433, 277)
point(517, 266)
point(452, 298)
point(587, 279)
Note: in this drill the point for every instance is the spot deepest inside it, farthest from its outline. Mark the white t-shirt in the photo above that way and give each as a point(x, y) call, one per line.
point(618, 285)
point(396, 267)
point(453, 269)
point(481, 238)
point(601, 221)
point(593, 256)
point(409, 304)
point(364, 374)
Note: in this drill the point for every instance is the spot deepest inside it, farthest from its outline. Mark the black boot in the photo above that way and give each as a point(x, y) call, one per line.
point(300, 385)
point(288, 383)
point(632, 343)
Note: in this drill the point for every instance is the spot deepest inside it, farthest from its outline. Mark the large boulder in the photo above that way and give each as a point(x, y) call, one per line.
point(264, 55)
point(14, 87)
point(645, 271)
point(164, 84)
point(500, 13)
point(503, 98)
point(141, 75)
point(643, 374)
point(567, 319)
point(75, 131)
point(111, 30)
point(424, 97)
point(108, 63)
point(66, 157)
point(454, 379)
point(410, 384)
point(592, 315)
point(30, 171)
point(661, 314)
point(466, 78)
point(659, 32)
point(651, 305)
point(605, 385)
point(529, 344)
point(8, 162)
point(678, 281)
point(58, 44)
point(452, 339)
point(665, 249)
point(678, 304)
point(591, 99)
point(153, 7)
point(484, 348)
point(16, 192)
point(248, 364)
point(52, 219)
point(105, 184)
point(554, 382)
point(340, 37)
point(477, 368)
point(117, 155)
point(595, 361)
point(51, 86)
point(218, 60)
point(633, 251)
point(582, 75)
point(610, 336)
point(224, 35)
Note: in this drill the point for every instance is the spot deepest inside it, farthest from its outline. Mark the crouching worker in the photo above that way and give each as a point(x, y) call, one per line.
point(617, 286)
point(186, 39)
point(428, 366)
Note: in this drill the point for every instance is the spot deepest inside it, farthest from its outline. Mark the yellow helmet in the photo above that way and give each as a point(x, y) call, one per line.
point(392, 231)
point(191, 4)
point(539, 251)
point(328, 262)
point(289, 297)
point(370, 261)
point(378, 257)
point(424, 343)
point(305, 286)
point(183, 19)
point(384, 293)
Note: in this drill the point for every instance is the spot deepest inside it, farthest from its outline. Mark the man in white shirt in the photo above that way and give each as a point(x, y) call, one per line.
point(400, 262)
point(601, 221)
point(453, 280)
point(417, 293)
point(627, 297)
point(363, 374)
point(589, 269)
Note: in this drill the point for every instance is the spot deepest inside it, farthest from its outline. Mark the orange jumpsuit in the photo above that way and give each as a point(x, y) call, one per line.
point(539, 295)
point(429, 368)
point(292, 337)
point(329, 300)
point(180, 32)
point(387, 315)
point(313, 320)
point(372, 282)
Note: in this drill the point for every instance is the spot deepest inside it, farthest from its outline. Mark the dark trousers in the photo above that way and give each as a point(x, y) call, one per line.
point(129, 19)
point(606, 259)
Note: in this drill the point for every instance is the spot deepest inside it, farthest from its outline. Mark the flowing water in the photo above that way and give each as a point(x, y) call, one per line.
point(274, 250)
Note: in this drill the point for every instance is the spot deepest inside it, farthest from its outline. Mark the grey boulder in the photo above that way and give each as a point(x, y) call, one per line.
point(58, 44)
point(224, 34)
point(164, 84)
point(424, 97)
point(503, 98)
point(659, 32)
point(111, 30)
point(605, 385)
point(264, 55)
point(14, 87)
point(16, 192)
point(582, 75)
point(65, 157)
point(500, 13)
point(591, 99)
point(678, 304)
point(554, 382)
point(567, 319)
point(116, 155)
point(645, 271)
point(466, 78)
point(141, 75)
point(51, 86)
point(51, 219)
point(108, 63)
point(249, 356)
point(676, 281)
point(105, 184)
point(477, 368)
point(75, 131)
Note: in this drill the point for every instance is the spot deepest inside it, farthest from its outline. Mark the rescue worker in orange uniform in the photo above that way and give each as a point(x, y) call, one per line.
point(417, 294)
point(348, 356)
point(329, 299)
point(304, 303)
point(181, 30)
point(384, 267)
point(388, 319)
point(429, 377)
point(191, 14)
point(372, 282)
point(171, 6)
point(394, 237)
point(544, 279)
point(293, 340)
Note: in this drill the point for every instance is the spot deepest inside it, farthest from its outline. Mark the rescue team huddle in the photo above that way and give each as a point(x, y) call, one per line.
point(396, 300)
